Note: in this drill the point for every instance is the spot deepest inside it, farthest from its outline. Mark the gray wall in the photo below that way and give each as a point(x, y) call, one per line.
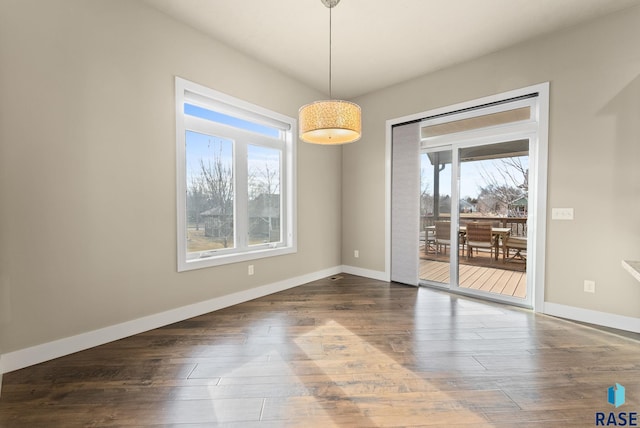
point(594, 154)
point(87, 167)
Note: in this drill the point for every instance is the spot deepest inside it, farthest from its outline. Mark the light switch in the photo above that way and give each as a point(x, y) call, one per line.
point(562, 213)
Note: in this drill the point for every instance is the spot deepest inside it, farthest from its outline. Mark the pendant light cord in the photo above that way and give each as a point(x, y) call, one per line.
point(330, 97)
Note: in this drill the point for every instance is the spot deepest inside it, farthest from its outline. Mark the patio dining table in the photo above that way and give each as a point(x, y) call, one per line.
point(499, 232)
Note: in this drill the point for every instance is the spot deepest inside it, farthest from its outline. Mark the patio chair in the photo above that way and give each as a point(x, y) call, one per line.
point(480, 235)
point(443, 236)
point(428, 240)
point(519, 244)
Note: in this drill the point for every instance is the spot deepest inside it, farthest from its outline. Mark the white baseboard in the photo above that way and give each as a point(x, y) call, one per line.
point(47, 351)
point(367, 273)
point(603, 319)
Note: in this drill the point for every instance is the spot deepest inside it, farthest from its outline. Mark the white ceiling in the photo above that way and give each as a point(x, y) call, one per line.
point(377, 43)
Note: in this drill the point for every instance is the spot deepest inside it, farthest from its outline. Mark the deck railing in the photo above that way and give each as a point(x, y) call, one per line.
point(518, 225)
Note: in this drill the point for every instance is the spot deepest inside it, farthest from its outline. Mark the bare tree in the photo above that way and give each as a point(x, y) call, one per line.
point(218, 180)
point(426, 195)
point(196, 199)
point(506, 172)
point(505, 182)
point(264, 180)
point(264, 183)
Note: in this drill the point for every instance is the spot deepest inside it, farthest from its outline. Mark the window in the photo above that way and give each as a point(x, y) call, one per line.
point(235, 179)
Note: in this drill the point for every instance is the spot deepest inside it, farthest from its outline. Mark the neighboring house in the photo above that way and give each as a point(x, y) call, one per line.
point(216, 223)
point(518, 207)
point(467, 207)
point(264, 218)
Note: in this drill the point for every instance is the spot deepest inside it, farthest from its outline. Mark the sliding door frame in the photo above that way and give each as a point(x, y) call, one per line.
point(538, 150)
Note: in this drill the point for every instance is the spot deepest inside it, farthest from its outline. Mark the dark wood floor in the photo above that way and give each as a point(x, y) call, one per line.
point(350, 352)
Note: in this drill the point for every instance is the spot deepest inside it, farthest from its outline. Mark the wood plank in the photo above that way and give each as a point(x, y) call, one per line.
point(521, 288)
point(438, 272)
point(510, 283)
point(468, 275)
point(486, 281)
point(491, 279)
point(352, 352)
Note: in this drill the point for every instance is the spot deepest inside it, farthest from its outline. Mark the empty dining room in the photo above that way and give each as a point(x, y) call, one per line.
point(182, 245)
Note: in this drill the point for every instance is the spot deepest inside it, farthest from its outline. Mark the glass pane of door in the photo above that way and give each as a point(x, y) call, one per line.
point(436, 242)
point(493, 209)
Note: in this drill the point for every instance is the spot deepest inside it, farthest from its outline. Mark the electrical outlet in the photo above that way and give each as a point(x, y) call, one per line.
point(356, 253)
point(589, 286)
point(250, 270)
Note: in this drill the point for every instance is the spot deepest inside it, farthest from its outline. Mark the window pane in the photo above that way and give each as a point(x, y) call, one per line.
point(264, 194)
point(215, 116)
point(492, 119)
point(210, 193)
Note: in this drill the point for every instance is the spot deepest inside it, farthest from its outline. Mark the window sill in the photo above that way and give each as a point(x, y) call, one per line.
point(224, 259)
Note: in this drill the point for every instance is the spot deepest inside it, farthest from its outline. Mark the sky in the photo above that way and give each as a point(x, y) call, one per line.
point(471, 179)
point(207, 147)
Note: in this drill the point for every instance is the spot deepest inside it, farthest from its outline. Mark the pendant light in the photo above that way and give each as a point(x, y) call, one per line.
point(330, 121)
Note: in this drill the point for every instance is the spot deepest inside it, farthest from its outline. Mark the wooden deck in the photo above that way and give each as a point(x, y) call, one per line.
point(347, 352)
point(491, 279)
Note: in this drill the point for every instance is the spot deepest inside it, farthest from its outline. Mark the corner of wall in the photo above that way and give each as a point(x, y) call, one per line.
point(367, 273)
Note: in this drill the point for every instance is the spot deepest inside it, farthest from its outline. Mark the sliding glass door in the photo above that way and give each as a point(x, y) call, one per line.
point(467, 197)
point(493, 208)
point(473, 218)
point(474, 200)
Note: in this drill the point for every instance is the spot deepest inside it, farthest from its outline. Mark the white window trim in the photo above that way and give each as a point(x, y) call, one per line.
point(194, 93)
point(515, 128)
